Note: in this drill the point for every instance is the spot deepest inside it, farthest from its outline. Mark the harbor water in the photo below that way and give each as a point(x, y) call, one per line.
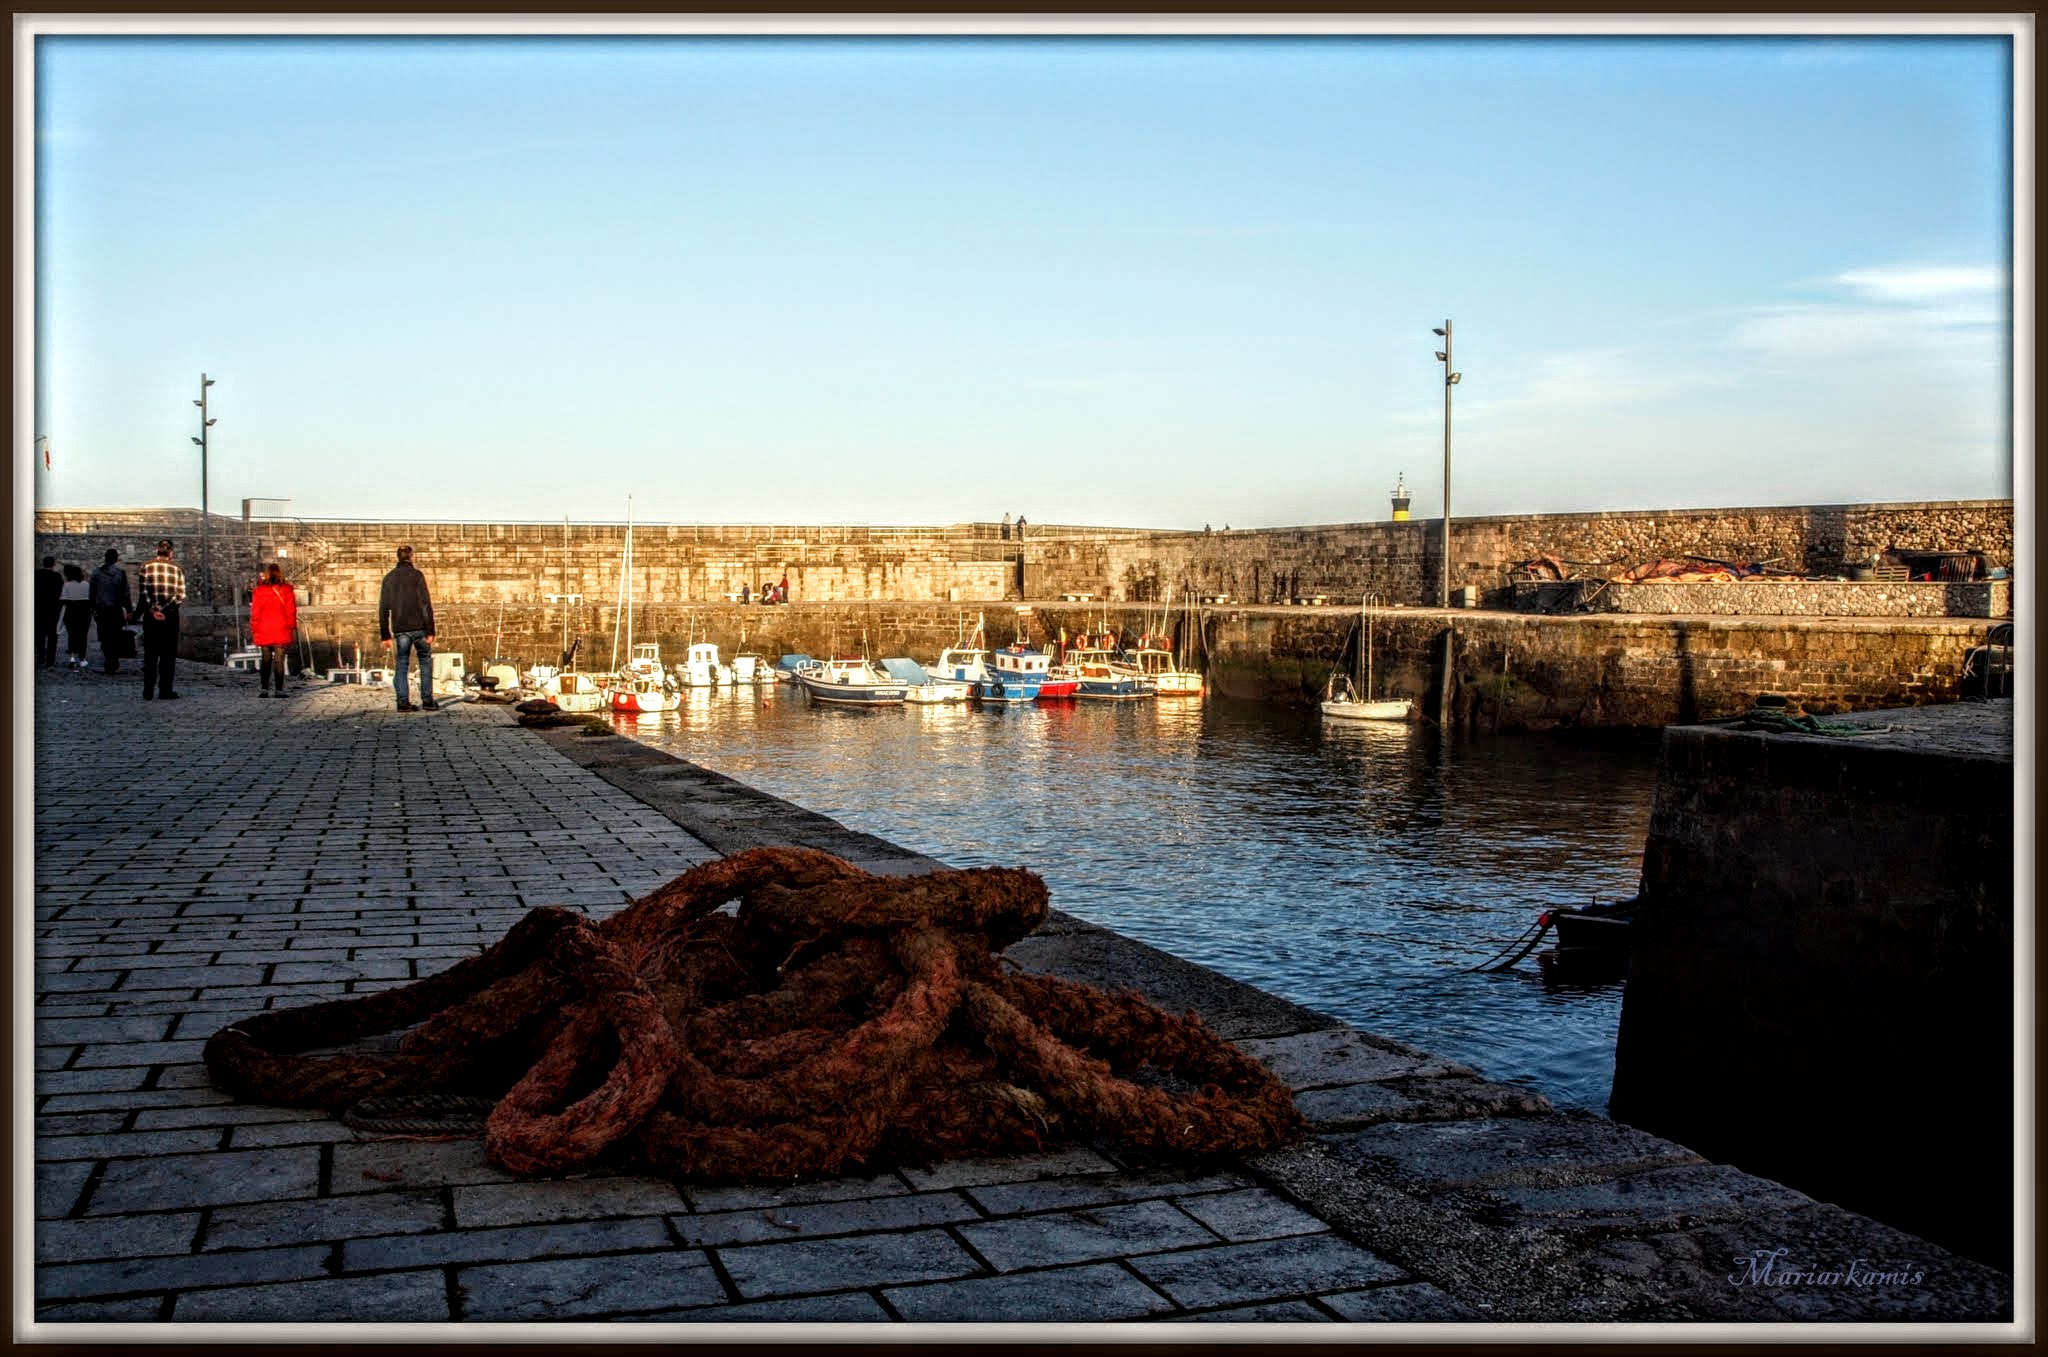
point(1361, 871)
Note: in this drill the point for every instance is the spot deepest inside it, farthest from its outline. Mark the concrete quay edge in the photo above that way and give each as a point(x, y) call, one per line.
point(271, 853)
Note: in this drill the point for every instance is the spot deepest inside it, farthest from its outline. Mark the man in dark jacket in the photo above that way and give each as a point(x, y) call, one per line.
point(49, 584)
point(110, 609)
point(405, 616)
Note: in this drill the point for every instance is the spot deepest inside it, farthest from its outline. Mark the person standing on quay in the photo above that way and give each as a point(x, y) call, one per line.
point(77, 600)
point(162, 594)
point(405, 615)
point(273, 617)
point(49, 607)
point(110, 610)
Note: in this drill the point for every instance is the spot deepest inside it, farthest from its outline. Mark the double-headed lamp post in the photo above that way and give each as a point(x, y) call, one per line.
point(205, 522)
point(1450, 380)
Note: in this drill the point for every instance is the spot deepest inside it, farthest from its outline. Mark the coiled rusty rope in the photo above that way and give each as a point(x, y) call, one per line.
point(836, 1019)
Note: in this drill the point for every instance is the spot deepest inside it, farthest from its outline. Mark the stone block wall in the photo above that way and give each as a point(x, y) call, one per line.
point(1821, 984)
point(1813, 598)
point(342, 562)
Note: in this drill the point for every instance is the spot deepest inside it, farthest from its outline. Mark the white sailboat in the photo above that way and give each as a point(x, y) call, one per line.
point(1341, 702)
point(567, 687)
point(641, 686)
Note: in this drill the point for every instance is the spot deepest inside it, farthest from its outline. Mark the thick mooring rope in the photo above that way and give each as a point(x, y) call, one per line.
point(837, 1019)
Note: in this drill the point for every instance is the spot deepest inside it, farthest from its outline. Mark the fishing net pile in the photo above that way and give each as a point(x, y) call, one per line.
point(835, 1019)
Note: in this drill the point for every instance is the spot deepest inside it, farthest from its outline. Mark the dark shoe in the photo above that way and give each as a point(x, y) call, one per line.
point(430, 706)
point(407, 706)
point(169, 696)
point(148, 696)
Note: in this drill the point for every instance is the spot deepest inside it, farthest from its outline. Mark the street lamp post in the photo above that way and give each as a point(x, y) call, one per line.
point(205, 519)
point(1450, 380)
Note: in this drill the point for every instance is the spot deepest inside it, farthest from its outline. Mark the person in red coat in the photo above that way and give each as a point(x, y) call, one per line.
point(273, 617)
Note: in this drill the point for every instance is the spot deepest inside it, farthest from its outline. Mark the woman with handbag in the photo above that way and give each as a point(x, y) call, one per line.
point(273, 617)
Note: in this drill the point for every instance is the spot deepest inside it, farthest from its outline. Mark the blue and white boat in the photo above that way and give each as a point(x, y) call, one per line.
point(852, 681)
point(924, 687)
point(1012, 674)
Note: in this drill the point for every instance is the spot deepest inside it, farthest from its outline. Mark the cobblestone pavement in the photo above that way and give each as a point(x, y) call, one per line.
point(199, 860)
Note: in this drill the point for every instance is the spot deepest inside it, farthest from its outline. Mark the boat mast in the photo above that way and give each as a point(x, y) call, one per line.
point(1366, 610)
point(629, 579)
point(565, 591)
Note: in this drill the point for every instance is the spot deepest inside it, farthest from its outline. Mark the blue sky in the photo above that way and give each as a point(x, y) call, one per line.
point(1150, 281)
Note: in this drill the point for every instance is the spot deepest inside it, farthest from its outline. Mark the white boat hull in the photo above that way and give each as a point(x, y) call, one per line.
point(1388, 710)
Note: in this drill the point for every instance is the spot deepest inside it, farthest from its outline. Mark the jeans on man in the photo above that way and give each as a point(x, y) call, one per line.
point(406, 643)
point(159, 653)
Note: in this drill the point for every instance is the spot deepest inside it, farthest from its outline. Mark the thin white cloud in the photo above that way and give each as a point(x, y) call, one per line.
point(1922, 284)
point(1947, 314)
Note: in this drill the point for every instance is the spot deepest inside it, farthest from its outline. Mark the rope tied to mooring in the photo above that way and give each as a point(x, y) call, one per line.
point(836, 1018)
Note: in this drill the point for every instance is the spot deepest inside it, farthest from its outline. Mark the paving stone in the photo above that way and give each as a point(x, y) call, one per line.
point(843, 1264)
point(731, 1198)
point(824, 1218)
point(1075, 1236)
point(393, 1298)
point(90, 1081)
point(58, 1186)
point(1343, 1055)
point(1530, 1151)
point(289, 1133)
point(72, 1281)
point(322, 1219)
point(1091, 1293)
point(221, 1114)
point(557, 1240)
point(1657, 1199)
point(1277, 1312)
point(844, 1307)
point(67, 1241)
point(80, 1123)
point(1169, 1182)
point(167, 1182)
point(126, 1310)
point(577, 1288)
point(128, 1144)
point(52, 1031)
point(1274, 1269)
point(572, 1199)
point(378, 1165)
point(1412, 1303)
point(1253, 1213)
point(972, 1172)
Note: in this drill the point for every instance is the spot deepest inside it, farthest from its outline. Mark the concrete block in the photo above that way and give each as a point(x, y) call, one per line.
point(128, 1144)
point(379, 1165)
point(824, 1218)
point(1089, 1294)
point(710, 1198)
point(321, 1219)
point(168, 1182)
point(1274, 1269)
point(179, 1272)
point(843, 1263)
point(1253, 1213)
point(1014, 1169)
point(1556, 1150)
point(1174, 1182)
point(1656, 1199)
point(68, 1241)
point(587, 1198)
point(567, 1239)
point(1410, 1303)
point(1335, 1056)
point(1078, 1236)
point(395, 1298)
point(58, 1186)
point(587, 1287)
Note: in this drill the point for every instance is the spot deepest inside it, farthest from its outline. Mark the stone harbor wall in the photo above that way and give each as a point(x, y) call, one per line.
point(1821, 985)
point(1813, 598)
point(336, 562)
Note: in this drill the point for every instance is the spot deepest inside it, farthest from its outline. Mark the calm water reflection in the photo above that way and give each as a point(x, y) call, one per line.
point(1357, 871)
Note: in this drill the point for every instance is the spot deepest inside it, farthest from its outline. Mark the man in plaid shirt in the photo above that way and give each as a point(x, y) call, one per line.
point(163, 590)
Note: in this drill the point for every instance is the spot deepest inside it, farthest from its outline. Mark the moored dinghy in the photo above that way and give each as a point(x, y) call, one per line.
point(922, 686)
point(851, 681)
